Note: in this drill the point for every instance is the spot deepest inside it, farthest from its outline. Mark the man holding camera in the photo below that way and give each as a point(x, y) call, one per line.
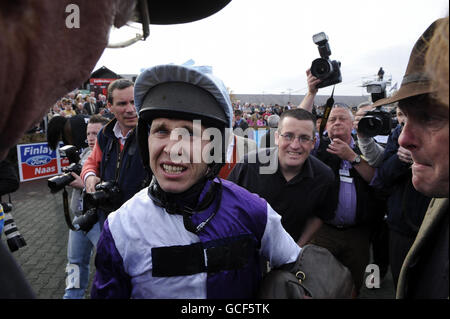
point(406, 207)
point(79, 247)
point(347, 235)
point(115, 157)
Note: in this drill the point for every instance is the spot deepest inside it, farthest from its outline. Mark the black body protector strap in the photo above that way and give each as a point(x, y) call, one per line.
point(229, 253)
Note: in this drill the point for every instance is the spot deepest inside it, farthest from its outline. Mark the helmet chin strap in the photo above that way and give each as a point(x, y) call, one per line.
point(168, 201)
point(213, 171)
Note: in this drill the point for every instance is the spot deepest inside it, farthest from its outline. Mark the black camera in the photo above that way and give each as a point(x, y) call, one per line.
point(86, 221)
point(323, 68)
point(56, 183)
point(377, 90)
point(14, 238)
point(106, 197)
point(376, 122)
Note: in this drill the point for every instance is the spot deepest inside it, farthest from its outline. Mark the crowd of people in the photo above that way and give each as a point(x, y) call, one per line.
point(75, 103)
point(348, 188)
point(187, 206)
point(257, 115)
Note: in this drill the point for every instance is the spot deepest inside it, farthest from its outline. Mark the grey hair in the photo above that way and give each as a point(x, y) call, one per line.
point(345, 107)
point(272, 121)
point(363, 104)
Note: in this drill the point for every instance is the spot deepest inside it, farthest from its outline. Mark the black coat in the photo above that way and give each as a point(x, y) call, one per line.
point(87, 108)
point(9, 181)
point(406, 206)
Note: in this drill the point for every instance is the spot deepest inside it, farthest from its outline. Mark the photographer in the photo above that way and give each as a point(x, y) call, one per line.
point(406, 206)
point(347, 235)
point(79, 247)
point(115, 158)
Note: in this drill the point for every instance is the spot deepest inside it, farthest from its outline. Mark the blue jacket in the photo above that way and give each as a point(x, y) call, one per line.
point(131, 173)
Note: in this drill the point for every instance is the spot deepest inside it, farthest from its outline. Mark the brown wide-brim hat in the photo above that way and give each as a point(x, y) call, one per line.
point(176, 11)
point(415, 81)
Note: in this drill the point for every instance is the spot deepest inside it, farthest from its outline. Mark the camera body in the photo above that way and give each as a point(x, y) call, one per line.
point(56, 183)
point(376, 122)
point(377, 90)
point(323, 68)
point(106, 197)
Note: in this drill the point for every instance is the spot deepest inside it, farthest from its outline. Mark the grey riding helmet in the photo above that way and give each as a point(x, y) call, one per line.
point(174, 91)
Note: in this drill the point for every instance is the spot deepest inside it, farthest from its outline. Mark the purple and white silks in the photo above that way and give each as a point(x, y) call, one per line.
point(124, 260)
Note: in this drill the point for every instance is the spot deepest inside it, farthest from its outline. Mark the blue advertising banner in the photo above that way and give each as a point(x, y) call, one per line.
point(36, 161)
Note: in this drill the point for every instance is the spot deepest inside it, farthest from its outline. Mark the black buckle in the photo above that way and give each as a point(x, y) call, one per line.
point(221, 254)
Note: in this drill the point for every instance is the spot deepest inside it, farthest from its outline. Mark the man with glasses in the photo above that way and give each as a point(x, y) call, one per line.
point(300, 186)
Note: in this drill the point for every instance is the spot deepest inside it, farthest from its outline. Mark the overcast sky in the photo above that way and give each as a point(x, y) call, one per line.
point(265, 46)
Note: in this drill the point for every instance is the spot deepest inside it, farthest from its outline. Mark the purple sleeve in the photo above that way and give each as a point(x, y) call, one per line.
point(110, 281)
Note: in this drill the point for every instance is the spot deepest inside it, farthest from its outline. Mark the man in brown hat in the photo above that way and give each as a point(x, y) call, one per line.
point(425, 271)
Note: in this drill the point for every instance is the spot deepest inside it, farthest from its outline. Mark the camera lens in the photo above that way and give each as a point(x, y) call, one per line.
point(86, 221)
point(321, 68)
point(370, 125)
point(14, 239)
point(96, 198)
point(57, 183)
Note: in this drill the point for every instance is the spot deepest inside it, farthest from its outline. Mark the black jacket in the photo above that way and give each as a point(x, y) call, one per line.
point(9, 181)
point(305, 196)
point(406, 206)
